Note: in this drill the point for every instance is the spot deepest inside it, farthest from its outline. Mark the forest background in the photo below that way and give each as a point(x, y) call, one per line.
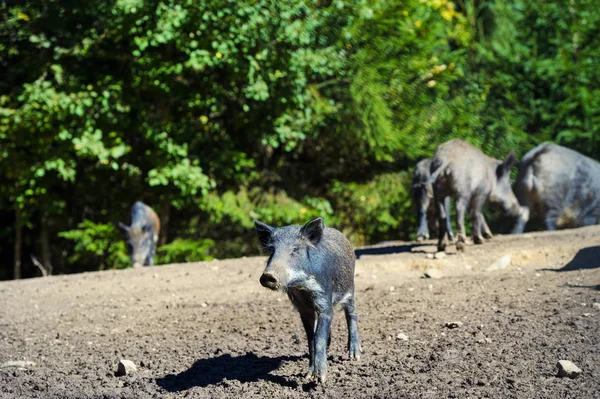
point(220, 112)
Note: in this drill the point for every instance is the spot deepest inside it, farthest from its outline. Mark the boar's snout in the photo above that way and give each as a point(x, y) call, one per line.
point(268, 280)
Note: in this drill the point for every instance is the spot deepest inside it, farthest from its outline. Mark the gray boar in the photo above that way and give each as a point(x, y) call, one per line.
point(314, 265)
point(471, 177)
point(422, 191)
point(560, 185)
point(142, 236)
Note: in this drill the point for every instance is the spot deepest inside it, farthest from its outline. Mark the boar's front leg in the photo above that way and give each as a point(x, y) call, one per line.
point(324, 317)
point(486, 232)
point(308, 321)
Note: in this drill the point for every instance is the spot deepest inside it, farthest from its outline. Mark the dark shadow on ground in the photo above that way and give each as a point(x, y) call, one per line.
point(387, 249)
point(586, 258)
point(590, 287)
point(244, 368)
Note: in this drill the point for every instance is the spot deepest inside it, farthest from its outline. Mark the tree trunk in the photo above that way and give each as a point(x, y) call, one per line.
point(18, 244)
point(164, 224)
point(45, 243)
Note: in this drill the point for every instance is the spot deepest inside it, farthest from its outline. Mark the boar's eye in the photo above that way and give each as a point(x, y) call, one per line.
point(295, 250)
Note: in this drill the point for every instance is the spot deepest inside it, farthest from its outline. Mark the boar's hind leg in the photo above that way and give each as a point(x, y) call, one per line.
point(477, 218)
point(461, 209)
point(551, 221)
point(308, 321)
point(320, 342)
point(448, 220)
point(352, 321)
point(441, 214)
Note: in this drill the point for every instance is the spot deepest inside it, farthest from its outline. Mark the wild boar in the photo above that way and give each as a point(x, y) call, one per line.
point(464, 172)
point(141, 236)
point(422, 192)
point(560, 185)
point(314, 265)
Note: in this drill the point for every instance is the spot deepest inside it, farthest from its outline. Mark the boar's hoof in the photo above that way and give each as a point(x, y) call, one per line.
point(422, 237)
point(354, 353)
point(310, 375)
point(488, 236)
point(313, 376)
point(460, 246)
point(478, 240)
point(462, 238)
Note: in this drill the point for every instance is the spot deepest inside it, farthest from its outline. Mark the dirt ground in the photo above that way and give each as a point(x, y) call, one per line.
point(207, 330)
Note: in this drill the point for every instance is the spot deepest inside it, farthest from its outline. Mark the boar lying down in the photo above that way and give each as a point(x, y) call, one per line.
point(314, 265)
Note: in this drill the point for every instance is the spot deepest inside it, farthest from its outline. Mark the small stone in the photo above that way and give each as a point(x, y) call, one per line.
point(429, 256)
point(587, 315)
point(529, 289)
point(453, 324)
point(500, 264)
point(537, 274)
point(432, 273)
point(402, 337)
point(125, 367)
point(439, 255)
point(468, 267)
point(392, 288)
point(596, 305)
point(204, 304)
point(567, 368)
point(18, 364)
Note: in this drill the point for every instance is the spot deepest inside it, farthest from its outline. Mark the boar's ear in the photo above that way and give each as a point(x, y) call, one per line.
point(264, 233)
point(313, 230)
point(505, 167)
point(124, 229)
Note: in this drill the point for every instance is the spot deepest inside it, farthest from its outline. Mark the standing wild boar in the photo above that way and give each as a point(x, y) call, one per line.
point(560, 185)
point(422, 191)
point(464, 172)
point(314, 265)
point(141, 237)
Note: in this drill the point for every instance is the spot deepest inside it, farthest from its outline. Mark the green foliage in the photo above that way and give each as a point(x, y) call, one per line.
point(375, 209)
point(97, 245)
point(220, 112)
point(185, 250)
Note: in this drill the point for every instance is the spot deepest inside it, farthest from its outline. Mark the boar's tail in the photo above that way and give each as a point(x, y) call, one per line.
point(436, 173)
point(536, 152)
point(526, 179)
point(432, 178)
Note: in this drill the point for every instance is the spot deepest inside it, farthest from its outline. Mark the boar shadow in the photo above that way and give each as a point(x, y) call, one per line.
point(586, 258)
point(589, 287)
point(211, 371)
point(387, 249)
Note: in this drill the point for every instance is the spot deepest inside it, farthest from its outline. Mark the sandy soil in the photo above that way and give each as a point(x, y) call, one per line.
point(208, 330)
